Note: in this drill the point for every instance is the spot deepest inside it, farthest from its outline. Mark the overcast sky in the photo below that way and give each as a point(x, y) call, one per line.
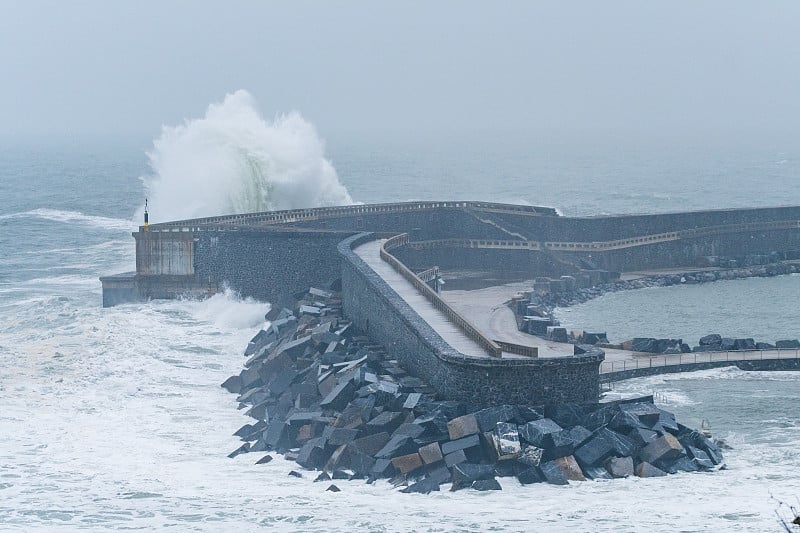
point(124, 68)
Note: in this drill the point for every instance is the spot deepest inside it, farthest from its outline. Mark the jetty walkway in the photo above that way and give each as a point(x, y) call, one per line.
point(455, 335)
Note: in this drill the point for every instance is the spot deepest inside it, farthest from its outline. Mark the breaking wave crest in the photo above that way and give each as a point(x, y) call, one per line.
point(234, 161)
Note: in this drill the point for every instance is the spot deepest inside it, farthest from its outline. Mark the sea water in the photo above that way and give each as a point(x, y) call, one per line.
point(114, 418)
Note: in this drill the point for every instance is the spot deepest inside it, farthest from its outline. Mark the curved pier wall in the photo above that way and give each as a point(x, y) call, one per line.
point(386, 318)
point(530, 262)
point(268, 265)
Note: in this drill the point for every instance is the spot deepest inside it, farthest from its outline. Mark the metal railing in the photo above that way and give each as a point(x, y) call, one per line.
point(298, 215)
point(518, 349)
point(696, 358)
point(493, 347)
point(429, 275)
point(452, 315)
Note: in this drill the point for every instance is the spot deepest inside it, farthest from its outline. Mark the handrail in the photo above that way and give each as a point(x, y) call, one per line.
point(609, 368)
point(462, 323)
point(429, 275)
point(297, 215)
point(518, 349)
point(494, 347)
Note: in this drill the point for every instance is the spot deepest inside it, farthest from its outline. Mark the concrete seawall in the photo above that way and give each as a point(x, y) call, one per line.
point(272, 256)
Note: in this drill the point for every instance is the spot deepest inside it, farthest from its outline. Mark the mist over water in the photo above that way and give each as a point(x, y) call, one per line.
point(234, 161)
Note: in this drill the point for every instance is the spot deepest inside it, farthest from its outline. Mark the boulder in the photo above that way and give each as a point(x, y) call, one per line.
point(464, 474)
point(603, 444)
point(431, 453)
point(338, 436)
point(505, 440)
point(264, 460)
point(452, 459)
point(360, 463)
point(370, 444)
point(339, 396)
point(539, 432)
point(787, 344)
point(233, 384)
point(570, 468)
point(488, 418)
point(645, 469)
point(620, 467)
point(486, 484)
point(463, 426)
point(565, 414)
point(553, 473)
point(530, 455)
point(385, 422)
point(712, 339)
point(664, 448)
point(423, 486)
point(460, 444)
point(398, 445)
point(407, 463)
point(529, 475)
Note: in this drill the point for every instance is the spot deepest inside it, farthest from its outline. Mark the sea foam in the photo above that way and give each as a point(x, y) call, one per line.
point(234, 161)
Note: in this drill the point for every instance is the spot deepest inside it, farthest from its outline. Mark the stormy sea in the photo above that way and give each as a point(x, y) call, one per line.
point(114, 418)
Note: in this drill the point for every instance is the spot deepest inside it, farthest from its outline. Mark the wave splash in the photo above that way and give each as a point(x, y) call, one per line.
point(234, 161)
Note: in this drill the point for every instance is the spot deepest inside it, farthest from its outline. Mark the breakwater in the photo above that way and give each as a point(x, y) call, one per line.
point(323, 394)
point(272, 256)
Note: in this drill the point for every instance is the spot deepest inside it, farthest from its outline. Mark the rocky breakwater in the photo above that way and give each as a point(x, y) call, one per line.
point(326, 397)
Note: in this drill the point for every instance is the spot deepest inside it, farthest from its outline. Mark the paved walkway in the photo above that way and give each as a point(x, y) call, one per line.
point(370, 253)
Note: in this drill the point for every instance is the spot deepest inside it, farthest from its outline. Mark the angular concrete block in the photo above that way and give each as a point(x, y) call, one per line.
point(647, 470)
point(463, 426)
point(455, 458)
point(620, 467)
point(570, 468)
point(431, 453)
point(461, 444)
point(537, 432)
point(407, 463)
point(370, 444)
point(506, 441)
point(664, 448)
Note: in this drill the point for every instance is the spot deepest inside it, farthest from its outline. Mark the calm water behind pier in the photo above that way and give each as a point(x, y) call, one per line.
point(113, 418)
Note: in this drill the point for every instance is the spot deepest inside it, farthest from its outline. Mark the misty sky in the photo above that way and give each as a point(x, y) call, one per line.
point(124, 68)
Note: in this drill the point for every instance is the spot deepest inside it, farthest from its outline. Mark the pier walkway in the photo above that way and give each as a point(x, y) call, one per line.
point(370, 253)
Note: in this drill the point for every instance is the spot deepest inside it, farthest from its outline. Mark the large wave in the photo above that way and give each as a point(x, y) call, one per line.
point(234, 161)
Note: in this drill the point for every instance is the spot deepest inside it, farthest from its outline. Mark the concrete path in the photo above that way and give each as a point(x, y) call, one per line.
point(370, 253)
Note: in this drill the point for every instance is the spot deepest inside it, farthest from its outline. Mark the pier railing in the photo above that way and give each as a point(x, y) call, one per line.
point(493, 347)
point(644, 365)
point(452, 315)
point(315, 213)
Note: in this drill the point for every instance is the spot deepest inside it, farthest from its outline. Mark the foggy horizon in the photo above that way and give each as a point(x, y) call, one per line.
point(714, 71)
